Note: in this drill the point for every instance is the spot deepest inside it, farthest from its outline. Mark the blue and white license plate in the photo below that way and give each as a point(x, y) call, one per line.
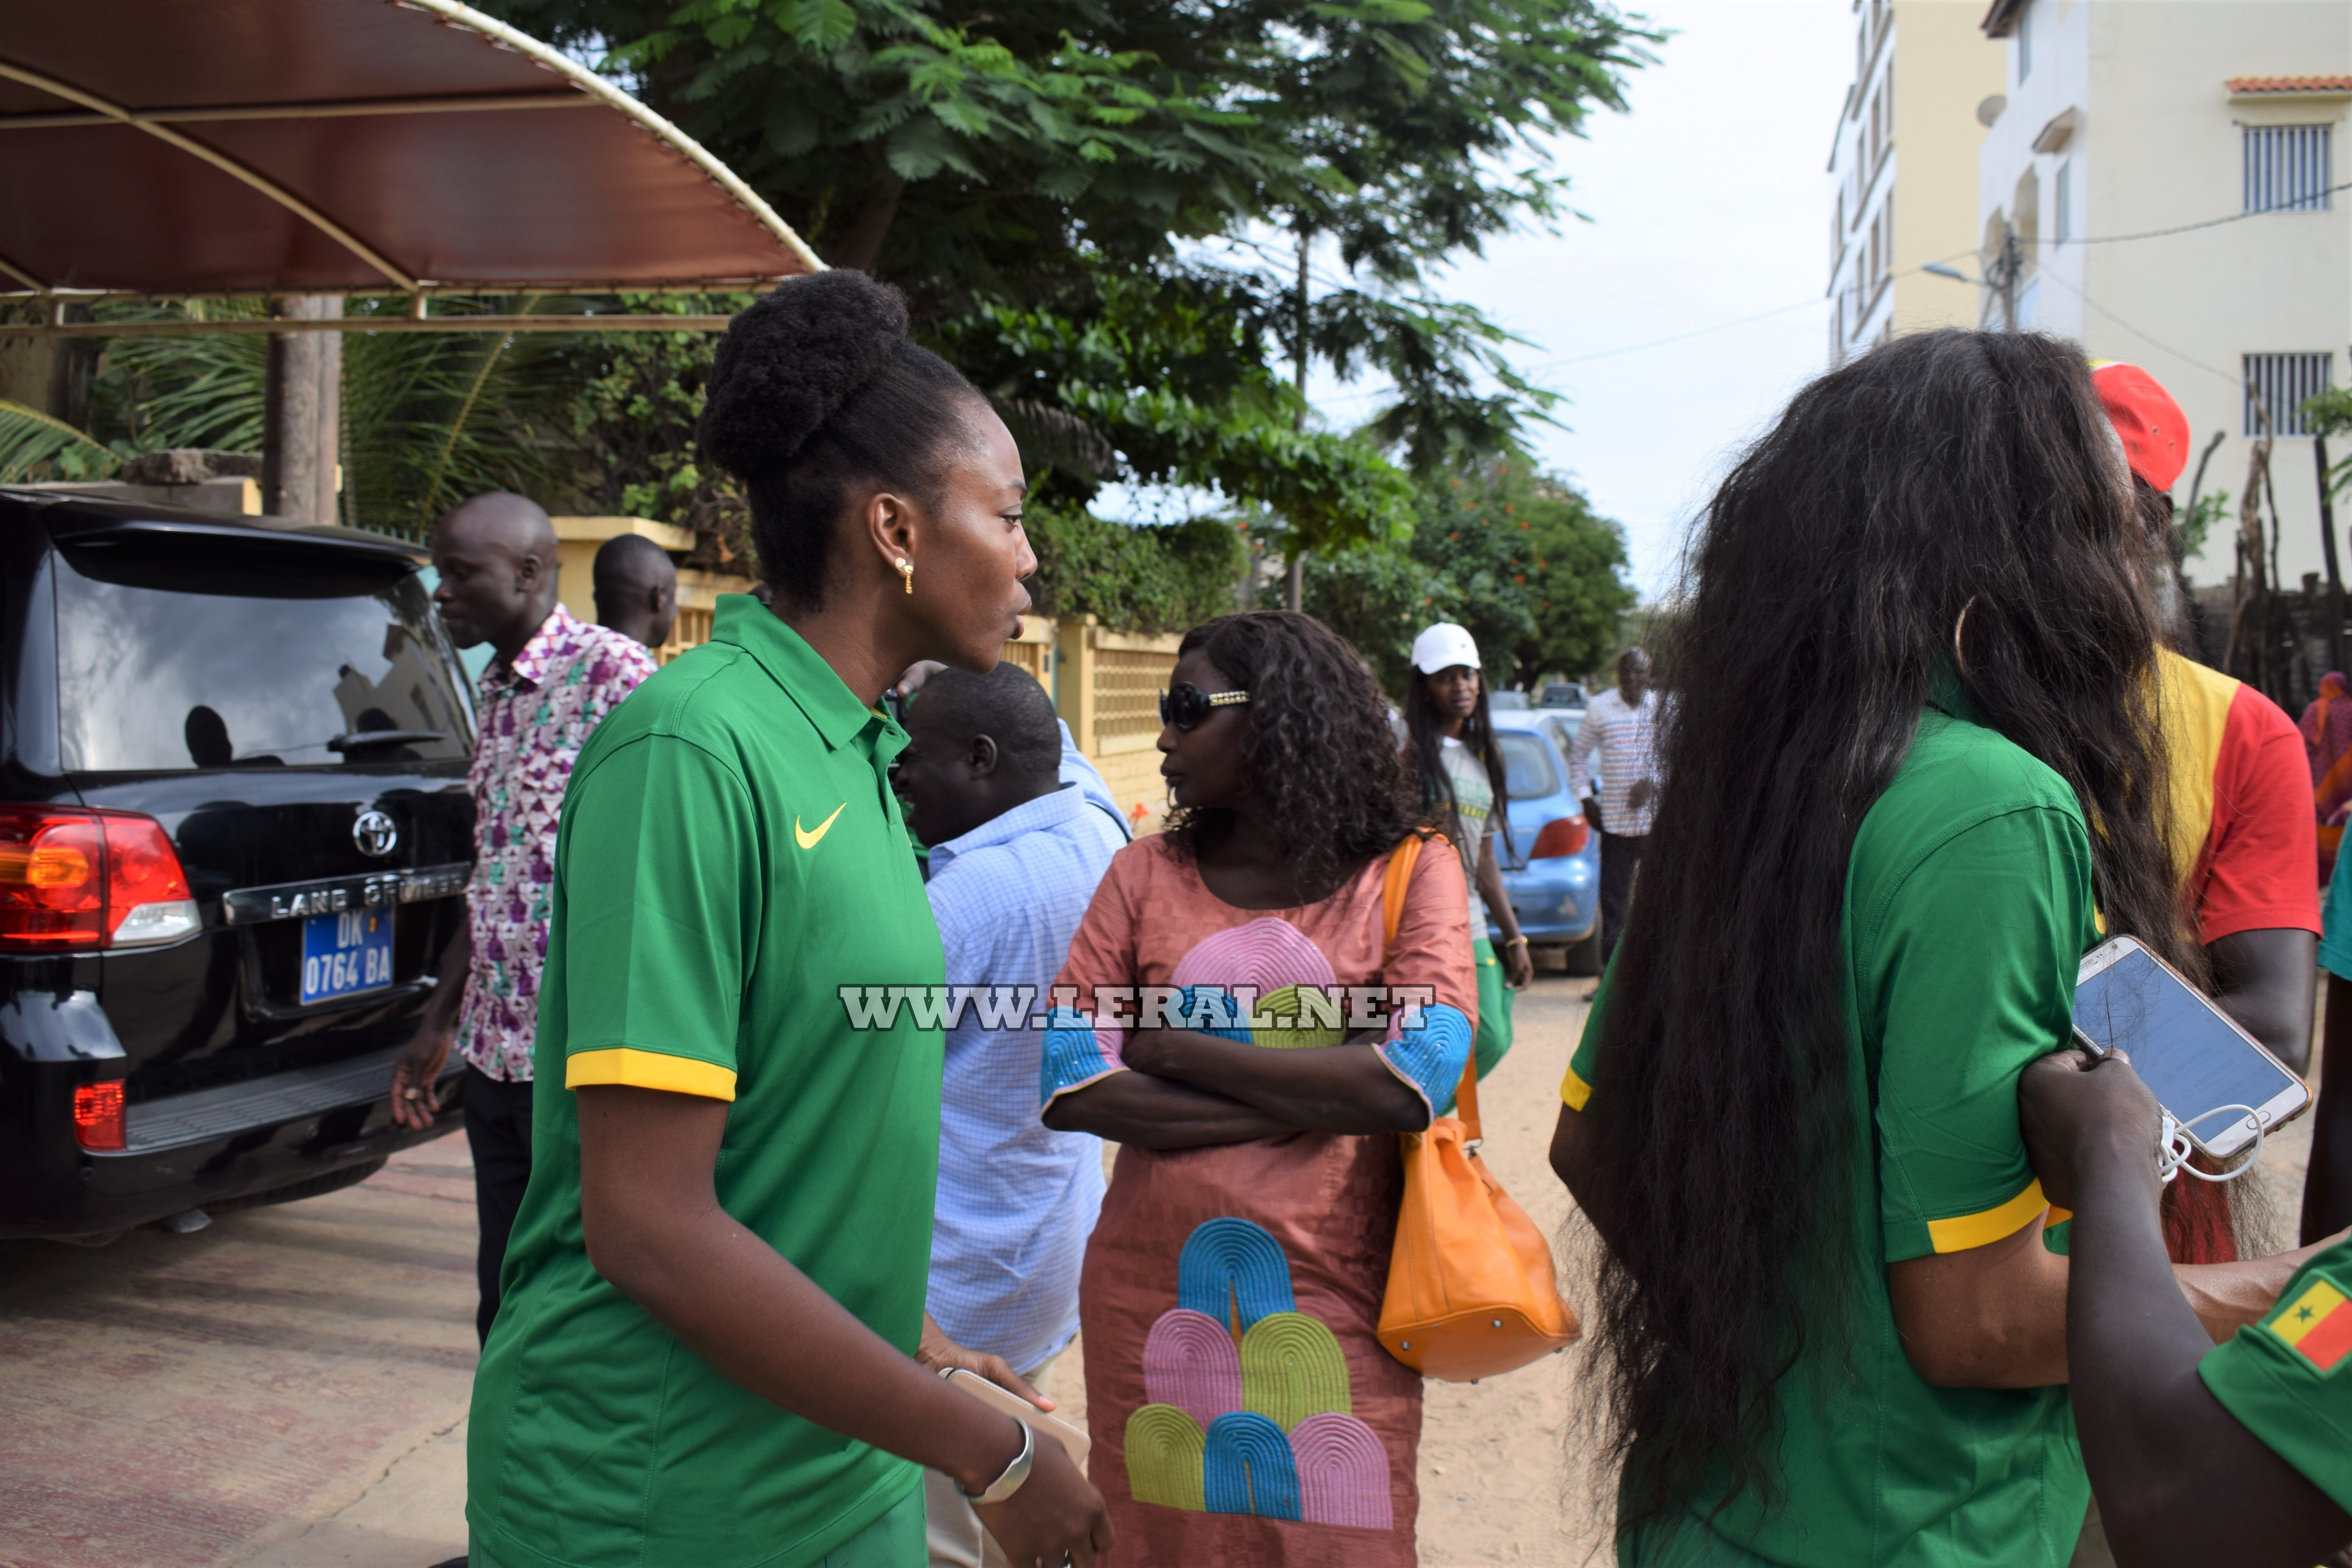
point(347, 955)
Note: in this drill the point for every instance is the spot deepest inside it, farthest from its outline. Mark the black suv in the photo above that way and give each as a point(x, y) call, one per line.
point(235, 836)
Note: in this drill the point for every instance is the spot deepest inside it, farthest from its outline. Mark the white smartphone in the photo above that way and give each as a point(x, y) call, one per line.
point(2192, 1056)
point(1073, 1439)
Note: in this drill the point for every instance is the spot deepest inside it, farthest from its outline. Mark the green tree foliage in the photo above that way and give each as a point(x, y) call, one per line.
point(1135, 578)
point(1029, 170)
point(2326, 415)
point(631, 423)
point(1519, 558)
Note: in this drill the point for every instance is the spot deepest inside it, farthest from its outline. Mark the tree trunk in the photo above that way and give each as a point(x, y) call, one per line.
point(859, 246)
point(1298, 383)
point(2250, 619)
point(2327, 542)
point(302, 416)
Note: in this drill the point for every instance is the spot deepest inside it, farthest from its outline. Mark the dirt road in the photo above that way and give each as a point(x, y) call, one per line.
point(288, 1388)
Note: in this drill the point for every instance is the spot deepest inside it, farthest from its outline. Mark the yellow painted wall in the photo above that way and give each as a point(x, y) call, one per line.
point(576, 540)
point(1944, 68)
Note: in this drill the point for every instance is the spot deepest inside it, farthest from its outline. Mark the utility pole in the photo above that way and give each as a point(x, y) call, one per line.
point(2009, 270)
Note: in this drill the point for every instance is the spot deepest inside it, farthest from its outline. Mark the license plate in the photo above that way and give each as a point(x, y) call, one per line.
point(346, 954)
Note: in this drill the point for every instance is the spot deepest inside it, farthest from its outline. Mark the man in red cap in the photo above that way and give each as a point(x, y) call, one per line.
point(2242, 832)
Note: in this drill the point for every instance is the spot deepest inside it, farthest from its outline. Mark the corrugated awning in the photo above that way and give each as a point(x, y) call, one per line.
point(160, 147)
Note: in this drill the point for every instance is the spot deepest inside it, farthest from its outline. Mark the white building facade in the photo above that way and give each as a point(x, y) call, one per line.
point(1903, 167)
point(2159, 186)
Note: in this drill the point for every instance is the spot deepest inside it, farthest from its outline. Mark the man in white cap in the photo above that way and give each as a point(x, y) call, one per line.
point(1621, 799)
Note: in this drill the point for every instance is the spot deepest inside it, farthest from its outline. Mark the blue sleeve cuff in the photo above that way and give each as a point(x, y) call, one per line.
point(1430, 1055)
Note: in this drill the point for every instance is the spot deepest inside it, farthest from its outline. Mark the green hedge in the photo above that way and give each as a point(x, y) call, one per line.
point(1133, 578)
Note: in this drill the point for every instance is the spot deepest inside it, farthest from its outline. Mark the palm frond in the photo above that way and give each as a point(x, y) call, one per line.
point(429, 420)
point(1054, 436)
point(37, 445)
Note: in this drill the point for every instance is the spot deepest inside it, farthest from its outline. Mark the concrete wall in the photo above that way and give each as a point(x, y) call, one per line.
point(2158, 144)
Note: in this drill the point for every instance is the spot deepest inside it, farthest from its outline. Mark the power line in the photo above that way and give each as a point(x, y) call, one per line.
point(2189, 228)
point(2186, 358)
point(2093, 240)
point(1676, 338)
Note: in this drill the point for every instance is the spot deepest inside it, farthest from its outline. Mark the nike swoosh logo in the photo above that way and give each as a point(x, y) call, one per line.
point(809, 840)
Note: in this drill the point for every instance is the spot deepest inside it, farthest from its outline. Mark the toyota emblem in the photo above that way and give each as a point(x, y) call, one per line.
point(375, 833)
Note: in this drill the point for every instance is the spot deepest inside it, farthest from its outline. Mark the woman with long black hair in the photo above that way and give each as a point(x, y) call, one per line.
point(1451, 751)
point(1914, 760)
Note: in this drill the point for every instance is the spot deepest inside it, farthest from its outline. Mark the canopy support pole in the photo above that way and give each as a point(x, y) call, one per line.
point(302, 409)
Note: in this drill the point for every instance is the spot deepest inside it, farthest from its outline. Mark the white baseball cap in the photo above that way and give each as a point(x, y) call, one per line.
point(1443, 646)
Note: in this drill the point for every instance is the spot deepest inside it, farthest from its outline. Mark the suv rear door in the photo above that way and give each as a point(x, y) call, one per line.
point(287, 706)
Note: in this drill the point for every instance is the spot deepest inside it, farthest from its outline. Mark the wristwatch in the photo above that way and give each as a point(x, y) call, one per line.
point(1006, 1484)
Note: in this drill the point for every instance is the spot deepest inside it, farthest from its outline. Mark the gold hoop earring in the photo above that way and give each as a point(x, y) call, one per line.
point(907, 573)
point(1960, 659)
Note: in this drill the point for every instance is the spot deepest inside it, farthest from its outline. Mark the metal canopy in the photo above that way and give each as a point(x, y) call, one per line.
point(157, 147)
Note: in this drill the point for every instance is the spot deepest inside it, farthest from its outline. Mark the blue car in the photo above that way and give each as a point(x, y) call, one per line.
point(1550, 860)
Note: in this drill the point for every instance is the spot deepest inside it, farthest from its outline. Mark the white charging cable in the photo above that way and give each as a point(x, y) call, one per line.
point(2172, 1155)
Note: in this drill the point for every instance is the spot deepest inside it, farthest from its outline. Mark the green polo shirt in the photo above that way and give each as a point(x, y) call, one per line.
point(2286, 1381)
point(730, 854)
point(1967, 907)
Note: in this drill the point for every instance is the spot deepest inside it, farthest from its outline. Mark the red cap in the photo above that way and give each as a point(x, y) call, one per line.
point(2154, 430)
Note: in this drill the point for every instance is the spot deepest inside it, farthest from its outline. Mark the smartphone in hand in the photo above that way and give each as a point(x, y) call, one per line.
point(2192, 1056)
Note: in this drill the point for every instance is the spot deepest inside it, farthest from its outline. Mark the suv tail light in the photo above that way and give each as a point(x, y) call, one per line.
point(1562, 836)
point(77, 879)
point(97, 1114)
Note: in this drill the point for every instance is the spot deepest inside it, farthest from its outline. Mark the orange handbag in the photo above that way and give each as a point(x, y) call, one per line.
point(1471, 1291)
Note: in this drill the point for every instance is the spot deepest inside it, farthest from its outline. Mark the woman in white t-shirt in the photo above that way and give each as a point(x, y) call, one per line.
point(1450, 749)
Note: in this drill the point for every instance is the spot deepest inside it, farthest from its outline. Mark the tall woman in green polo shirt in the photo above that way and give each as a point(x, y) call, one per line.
point(1913, 663)
point(714, 1293)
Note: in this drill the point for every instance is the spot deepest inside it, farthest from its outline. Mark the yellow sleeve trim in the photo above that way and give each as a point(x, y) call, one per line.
point(650, 1070)
point(1990, 1226)
point(1573, 1090)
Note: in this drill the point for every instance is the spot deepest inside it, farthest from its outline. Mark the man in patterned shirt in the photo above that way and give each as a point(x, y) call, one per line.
point(553, 679)
point(1622, 726)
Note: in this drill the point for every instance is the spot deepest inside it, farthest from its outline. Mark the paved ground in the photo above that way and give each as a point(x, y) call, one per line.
point(241, 1395)
point(288, 1388)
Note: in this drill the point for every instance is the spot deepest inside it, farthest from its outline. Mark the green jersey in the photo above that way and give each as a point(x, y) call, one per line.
point(730, 856)
point(1967, 907)
point(2284, 1378)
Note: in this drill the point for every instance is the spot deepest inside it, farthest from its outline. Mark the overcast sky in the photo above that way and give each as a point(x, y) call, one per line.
point(1709, 205)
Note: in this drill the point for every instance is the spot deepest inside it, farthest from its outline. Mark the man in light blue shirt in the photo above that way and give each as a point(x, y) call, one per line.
point(1017, 845)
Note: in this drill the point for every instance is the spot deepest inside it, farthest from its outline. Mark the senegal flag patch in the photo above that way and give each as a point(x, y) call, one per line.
point(2318, 1325)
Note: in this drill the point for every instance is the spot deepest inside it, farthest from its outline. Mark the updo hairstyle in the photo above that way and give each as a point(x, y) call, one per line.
point(815, 389)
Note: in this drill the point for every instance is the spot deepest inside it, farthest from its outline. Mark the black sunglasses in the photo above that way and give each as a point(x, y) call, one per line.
point(1187, 705)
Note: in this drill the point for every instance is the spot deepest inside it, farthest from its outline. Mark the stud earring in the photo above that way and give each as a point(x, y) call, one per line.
point(906, 570)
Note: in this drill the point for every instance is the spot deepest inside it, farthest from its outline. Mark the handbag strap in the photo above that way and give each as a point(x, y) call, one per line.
point(1402, 861)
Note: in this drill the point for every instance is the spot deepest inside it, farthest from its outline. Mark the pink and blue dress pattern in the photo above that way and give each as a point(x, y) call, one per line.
point(1243, 1412)
point(1249, 1406)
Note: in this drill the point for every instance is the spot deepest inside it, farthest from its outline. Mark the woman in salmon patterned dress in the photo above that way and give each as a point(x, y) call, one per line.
point(1235, 1015)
